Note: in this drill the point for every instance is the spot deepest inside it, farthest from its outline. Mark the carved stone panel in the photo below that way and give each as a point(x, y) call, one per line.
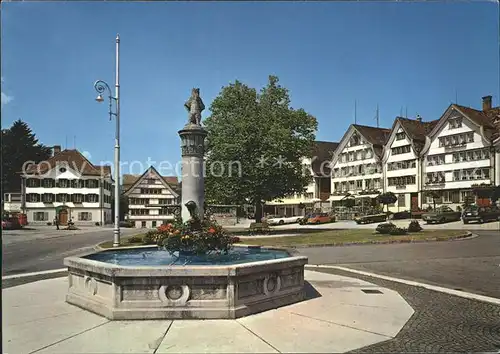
point(250, 288)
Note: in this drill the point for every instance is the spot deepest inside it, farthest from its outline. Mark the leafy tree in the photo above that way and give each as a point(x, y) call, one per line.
point(387, 198)
point(19, 145)
point(255, 146)
point(435, 195)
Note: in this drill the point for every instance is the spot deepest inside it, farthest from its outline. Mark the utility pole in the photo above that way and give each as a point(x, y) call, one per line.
point(377, 117)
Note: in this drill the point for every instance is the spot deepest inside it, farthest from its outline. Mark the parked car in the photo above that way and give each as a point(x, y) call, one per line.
point(441, 215)
point(417, 213)
point(480, 214)
point(320, 218)
point(11, 223)
point(281, 220)
point(401, 215)
point(368, 219)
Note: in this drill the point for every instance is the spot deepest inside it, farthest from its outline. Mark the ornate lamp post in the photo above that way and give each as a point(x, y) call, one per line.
point(101, 86)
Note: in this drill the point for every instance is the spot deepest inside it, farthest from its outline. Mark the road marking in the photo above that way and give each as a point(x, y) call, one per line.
point(23, 275)
point(459, 293)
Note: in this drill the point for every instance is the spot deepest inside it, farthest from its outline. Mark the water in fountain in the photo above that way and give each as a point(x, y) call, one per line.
point(156, 257)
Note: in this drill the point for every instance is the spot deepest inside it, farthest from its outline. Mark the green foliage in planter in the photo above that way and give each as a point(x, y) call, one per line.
point(414, 226)
point(385, 228)
point(397, 231)
point(136, 239)
point(259, 227)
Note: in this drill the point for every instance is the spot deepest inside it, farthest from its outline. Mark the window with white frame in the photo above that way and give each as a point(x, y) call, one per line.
point(434, 160)
point(401, 180)
point(401, 165)
point(48, 183)
point(471, 155)
point(63, 183)
point(85, 216)
point(435, 177)
point(33, 182)
point(62, 198)
point(376, 183)
point(40, 216)
point(400, 136)
point(455, 123)
point(401, 200)
point(77, 198)
point(48, 198)
point(92, 198)
point(471, 174)
point(401, 150)
point(33, 198)
point(359, 184)
point(456, 140)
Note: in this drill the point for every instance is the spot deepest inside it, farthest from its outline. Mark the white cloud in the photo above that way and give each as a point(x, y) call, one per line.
point(4, 97)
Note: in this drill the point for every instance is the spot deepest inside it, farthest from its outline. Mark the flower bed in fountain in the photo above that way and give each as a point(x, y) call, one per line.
point(192, 237)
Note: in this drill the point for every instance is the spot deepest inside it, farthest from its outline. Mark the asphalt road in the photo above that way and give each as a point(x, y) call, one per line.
point(470, 265)
point(33, 251)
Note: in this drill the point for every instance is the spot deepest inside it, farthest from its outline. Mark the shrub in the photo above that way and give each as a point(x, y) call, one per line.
point(303, 221)
point(235, 239)
point(385, 228)
point(136, 239)
point(414, 226)
point(49, 224)
point(259, 227)
point(98, 224)
point(151, 237)
point(398, 231)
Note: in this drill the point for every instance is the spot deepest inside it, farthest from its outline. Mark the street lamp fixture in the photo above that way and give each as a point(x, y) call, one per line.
point(101, 86)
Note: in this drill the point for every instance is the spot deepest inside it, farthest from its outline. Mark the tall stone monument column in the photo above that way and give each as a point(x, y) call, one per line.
point(193, 151)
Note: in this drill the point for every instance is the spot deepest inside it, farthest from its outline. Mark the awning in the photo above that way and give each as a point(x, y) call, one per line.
point(336, 198)
point(366, 196)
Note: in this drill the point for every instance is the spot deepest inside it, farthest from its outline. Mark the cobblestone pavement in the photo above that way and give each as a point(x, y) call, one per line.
point(441, 322)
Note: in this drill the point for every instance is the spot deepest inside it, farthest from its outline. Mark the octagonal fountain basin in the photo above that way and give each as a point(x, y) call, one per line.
point(149, 283)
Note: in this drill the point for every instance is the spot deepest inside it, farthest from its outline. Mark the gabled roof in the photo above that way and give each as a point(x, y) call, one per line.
point(130, 181)
point(478, 117)
point(416, 130)
point(323, 151)
point(375, 136)
point(75, 160)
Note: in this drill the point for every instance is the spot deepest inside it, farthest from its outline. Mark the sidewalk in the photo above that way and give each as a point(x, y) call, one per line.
point(337, 317)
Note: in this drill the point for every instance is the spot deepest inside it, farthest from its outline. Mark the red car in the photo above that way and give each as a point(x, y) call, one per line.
point(11, 224)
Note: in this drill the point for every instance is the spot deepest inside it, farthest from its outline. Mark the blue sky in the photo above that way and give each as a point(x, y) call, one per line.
point(329, 54)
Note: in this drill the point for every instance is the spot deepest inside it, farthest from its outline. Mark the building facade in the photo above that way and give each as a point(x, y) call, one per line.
point(67, 187)
point(460, 154)
point(357, 165)
point(317, 193)
point(402, 162)
point(153, 199)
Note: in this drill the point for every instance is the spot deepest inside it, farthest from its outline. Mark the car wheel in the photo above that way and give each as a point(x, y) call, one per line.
point(481, 221)
point(281, 222)
point(466, 222)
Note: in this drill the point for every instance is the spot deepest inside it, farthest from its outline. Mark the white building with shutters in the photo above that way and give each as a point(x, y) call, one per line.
point(68, 187)
point(152, 199)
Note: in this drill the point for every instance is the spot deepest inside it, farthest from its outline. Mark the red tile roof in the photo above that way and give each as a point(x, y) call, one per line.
point(375, 136)
point(323, 151)
point(74, 159)
point(417, 130)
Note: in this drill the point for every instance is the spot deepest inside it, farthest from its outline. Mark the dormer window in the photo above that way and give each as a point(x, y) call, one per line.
point(355, 140)
point(455, 123)
point(400, 136)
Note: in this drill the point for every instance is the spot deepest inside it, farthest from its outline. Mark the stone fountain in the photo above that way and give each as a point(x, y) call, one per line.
point(148, 283)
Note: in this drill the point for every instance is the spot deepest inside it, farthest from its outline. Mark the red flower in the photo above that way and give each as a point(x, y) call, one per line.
point(212, 230)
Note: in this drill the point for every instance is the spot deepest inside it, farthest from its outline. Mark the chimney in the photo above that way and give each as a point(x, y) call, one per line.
point(56, 149)
point(486, 103)
point(419, 119)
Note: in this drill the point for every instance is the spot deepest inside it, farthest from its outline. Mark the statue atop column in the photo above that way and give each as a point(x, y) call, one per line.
point(194, 106)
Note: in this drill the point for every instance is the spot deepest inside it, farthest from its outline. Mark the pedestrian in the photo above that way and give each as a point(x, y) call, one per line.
point(56, 222)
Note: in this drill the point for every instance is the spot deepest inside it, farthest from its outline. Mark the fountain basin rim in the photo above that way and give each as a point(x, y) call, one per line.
point(179, 270)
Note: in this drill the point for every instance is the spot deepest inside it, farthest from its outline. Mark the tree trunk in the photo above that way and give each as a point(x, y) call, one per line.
point(434, 202)
point(258, 212)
